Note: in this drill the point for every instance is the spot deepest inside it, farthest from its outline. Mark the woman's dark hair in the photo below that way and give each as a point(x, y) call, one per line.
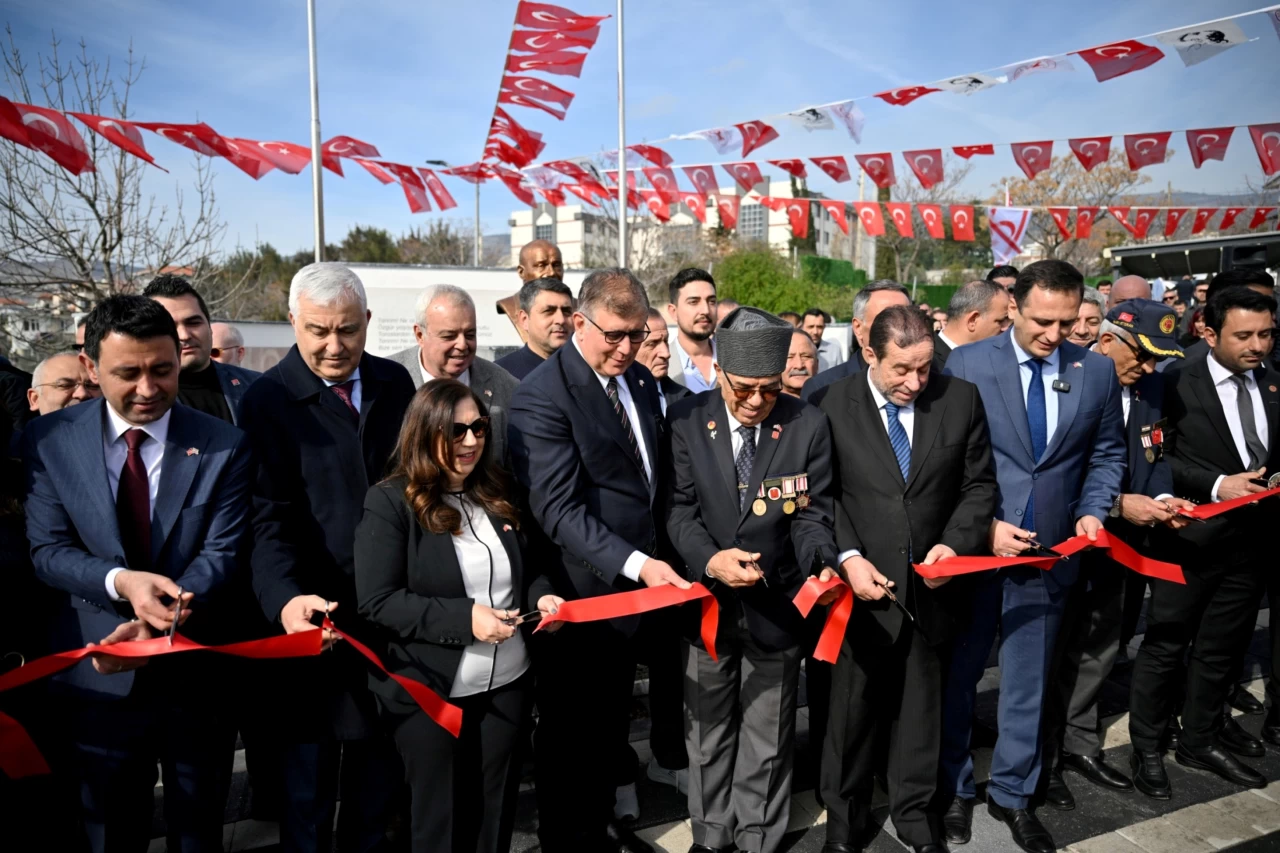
point(426, 448)
point(133, 316)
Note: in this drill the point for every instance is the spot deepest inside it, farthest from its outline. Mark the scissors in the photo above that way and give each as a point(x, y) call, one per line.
point(177, 611)
point(1038, 550)
point(888, 593)
point(531, 616)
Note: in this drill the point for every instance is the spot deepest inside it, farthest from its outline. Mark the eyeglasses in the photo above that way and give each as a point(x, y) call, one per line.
point(614, 338)
point(478, 428)
point(741, 394)
point(1140, 354)
point(215, 352)
point(66, 386)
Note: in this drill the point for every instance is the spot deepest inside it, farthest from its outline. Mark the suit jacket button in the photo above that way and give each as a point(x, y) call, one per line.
point(902, 550)
point(1017, 512)
point(1036, 475)
point(906, 501)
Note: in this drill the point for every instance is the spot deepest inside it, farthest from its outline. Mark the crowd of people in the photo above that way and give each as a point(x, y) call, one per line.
point(437, 506)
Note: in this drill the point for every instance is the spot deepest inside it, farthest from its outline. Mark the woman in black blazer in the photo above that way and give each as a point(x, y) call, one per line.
point(438, 567)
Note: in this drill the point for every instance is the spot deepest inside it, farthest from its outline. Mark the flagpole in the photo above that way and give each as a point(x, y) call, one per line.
point(623, 186)
point(477, 258)
point(317, 174)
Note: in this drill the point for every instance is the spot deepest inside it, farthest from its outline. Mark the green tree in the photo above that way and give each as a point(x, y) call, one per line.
point(369, 246)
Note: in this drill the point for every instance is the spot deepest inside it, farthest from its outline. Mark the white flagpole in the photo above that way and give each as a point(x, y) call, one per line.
point(622, 149)
point(317, 174)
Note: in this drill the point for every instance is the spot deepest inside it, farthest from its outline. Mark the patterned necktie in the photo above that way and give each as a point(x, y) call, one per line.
point(898, 438)
point(344, 390)
point(745, 460)
point(1252, 442)
point(1038, 422)
point(611, 388)
point(133, 504)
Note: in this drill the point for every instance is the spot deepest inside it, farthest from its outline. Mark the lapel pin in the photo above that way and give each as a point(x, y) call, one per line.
point(711, 425)
point(1075, 364)
point(506, 528)
point(235, 381)
point(1273, 389)
point(488, 393)
point(641, 383)
point(191, 451)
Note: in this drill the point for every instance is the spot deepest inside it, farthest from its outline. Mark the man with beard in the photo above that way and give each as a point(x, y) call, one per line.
point(815, 323)
point(868, 302)
point(692, 306)
point(655, 354)
point(802, 361)
point(546, 306)
point(1085, 332)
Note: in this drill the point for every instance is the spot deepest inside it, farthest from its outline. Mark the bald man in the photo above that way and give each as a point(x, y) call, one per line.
point(228, 344)
point(540, 259)
point(58, 382)
point(1128, 287)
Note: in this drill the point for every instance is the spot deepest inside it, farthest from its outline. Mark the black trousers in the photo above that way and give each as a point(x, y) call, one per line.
point(1214, 614)
point(899, 689)
point(366, 772)
point(464, 789)
point(658, 646)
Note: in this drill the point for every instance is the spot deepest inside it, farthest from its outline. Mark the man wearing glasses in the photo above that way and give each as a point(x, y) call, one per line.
point(58, 382)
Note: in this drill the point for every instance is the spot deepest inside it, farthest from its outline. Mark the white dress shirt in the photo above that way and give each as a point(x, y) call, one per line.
point(1227, 391)
point(906, 417)
point(631, 568)
point(116, 453)
point(486, 575)
point(693, 378)
point(464, 377)
point(943, 337)
point(1048, 374)
point(737, 436)
point(356, 385)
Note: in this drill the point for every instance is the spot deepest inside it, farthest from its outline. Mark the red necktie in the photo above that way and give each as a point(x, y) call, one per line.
point(344, 391)
point(133, 504)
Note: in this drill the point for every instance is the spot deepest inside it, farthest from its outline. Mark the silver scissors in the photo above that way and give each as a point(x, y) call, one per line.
point(177, 611)
point(888, 593)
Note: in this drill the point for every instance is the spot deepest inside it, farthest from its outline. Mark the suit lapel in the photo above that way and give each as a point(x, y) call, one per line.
point(1208, 396)
point(1071, 372)
point(925, 431)
point(590, 396)
point(1005, 368)
point(1271, 401)
point(647, 426)
point(88, 432)
point(720, 439)
point(370, 385)
point(178, 469)
point(510, 541)
point(863, 410)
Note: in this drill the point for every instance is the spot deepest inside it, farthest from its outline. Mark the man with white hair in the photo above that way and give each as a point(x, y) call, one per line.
point(445, 326)
point(58, 382)
point(228, 344)
point(323, 423)
point(1088, 322)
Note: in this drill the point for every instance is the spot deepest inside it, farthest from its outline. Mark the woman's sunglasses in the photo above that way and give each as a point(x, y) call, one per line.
point(478, 428)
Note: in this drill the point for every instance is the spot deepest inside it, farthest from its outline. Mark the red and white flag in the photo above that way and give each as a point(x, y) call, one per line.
point(1109, 61)
point(1085, 217)
point(582, 193)
point(415, 191)
point(1121, 215)
point(1260, 216)
point(1266, 139)
point(663, 182)
point(746, 173)
point(118, 132)
point(245, 156)
point(199, 138)
point(532, 87)
point(836, 209)
point(51, 132)
point(962, 223)
point(798, 213)
point(755, 134)
point(1209, 143)
point(11, 126)
point(285, 156)
point(553, 195)
point(879, 168)
point(528, 141)
point(1091, 150)
point(1033, 157)
point(508, 153)
point(967, 151)
point(543, 16)
point(562, 62)
point(344, 146)
point(902, 97)
point(723, 139)
point(1062, 218)
point(472, 173)
point(727, 207)
point(795, 167)
point(927, 165)
point(570, 168)
point(1142, 219)
point(544, 41)
point(1039, 66)
point(1008, 227)
point(657, 205)
point(1146, 149)
point(435, 186)
point(1229, 215)
point(931, 216)
point(515, 182)
point(697, 204)
point(515, 99)
point(835, 167)
point(1203, 215)
point(900, 213)
point(851, 117)
point(653, 154)
point(374, 169)
point(1172, 219)
point(777, 205)
point(870, 216)
point(631, 177)
point(703, 178)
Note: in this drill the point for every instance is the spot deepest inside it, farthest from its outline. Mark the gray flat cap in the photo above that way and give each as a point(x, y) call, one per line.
point(753, 343)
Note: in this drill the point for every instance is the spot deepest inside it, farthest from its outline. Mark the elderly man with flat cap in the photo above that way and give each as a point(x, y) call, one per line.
point(750, 514)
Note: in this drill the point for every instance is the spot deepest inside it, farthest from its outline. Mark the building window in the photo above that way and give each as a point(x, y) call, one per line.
point(545, 232)
point(753, 221)
point(30, 324)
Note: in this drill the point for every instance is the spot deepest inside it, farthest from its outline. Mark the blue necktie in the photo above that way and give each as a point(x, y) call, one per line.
point(1038, 422)
point(898, 438)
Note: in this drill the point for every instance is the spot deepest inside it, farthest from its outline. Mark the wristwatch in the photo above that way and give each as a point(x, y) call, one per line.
point(1115, 507)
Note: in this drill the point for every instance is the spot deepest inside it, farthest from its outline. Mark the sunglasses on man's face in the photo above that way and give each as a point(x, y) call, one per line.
point(742, 394)
point(478, 428)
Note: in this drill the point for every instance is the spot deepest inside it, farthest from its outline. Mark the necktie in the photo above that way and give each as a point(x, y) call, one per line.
point(611, 388)
point(898, 438)
point(344, 391)
point(1252, 442)
point(1038, 422)
point(745, 459)
point(133, 504)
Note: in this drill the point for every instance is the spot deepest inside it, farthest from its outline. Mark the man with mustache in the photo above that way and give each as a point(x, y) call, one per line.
point(1085, 332)
point(693, 309)
point(802, 363)
point(546, 306)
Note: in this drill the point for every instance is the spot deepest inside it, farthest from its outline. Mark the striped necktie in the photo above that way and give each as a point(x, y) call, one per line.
point(898, 438)
point(611, 388)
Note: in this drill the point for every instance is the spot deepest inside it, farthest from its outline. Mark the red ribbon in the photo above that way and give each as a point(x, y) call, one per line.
point(1210, 510)
point(828, 648)
point(641, 601)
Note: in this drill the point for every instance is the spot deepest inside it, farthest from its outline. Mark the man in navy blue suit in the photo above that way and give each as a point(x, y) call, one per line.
point(1057, 434)
point(134, 503)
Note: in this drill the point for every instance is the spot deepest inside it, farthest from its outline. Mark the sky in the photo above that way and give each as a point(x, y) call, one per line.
point(419, 80)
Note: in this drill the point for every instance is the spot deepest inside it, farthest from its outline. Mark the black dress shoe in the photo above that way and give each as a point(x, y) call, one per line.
point(1096, 770)
point(1234, 739)
point(702, 848)
point(1057, 794)
point(957, 822)
point(1172, 735)
point(1149, 775)
point(1271, 726)
point(1217, 760)
point(1028, 832)
point(1243, 700)
point(624, 840)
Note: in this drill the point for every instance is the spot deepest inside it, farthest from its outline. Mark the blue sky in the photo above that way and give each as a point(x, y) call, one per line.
point(419, 79)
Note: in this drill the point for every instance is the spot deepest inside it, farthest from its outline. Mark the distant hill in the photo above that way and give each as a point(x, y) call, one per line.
point(1185, 199)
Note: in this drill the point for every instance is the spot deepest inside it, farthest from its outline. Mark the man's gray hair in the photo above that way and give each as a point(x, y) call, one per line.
point(1109, 328)
point(450, 293)
point(863, 296)
point(1093, 295)
point(902, 325)
point(234, 336)
point(326, 283)
point(37, 375)
point(973, 296)
point(614, 289)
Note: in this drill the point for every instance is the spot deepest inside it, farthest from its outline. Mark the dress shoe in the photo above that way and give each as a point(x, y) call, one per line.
point(1234, 739)
point(625, 804)
point(1056, 793)
point(958, 820)
point(1217, 760)
point(1172, 734)
point(1149, 775)
point(1271, 726)
point(1243, 700)
point(624, 840)
point(840, 847)
point(1096, 769)
point(1028, 832)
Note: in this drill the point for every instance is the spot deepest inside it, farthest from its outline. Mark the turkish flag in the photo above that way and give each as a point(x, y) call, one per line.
point(51, 132)
point(508, 153)
point(798, 213)
point(1091, 150)
point(703, 178)
point(514, 182)
point(518, 100)
point(1119, 58)
point(444, 201)
point(11, 126)
point(631, 177)
point(543, 16)
point(1033, 157)
point(746, 173)
point(664, 183)
point(553, 195)
point(1084, 221)
point(1146, 149)
point(528, 141)
point(245, 157)
point(727, 206)
point(967, 151)
point(870, 216)
point(1260, 216)
point(1142, 219)
point(285, 156)
point(777, 205)
point(568, 167)
point(1203, 215)
point(118, 132)
point(653, 154)
point(961, 221)
point(374, 169)
point(926, 164)
point(791, 167)
point(532, 87)
point(1062, 218)
point(582, 193)
point(697, 205)
point(1229, 215)
point(1172, 219)
point(543, 41)
point(657, 205)
point(900, 213)
point(755, 134)
point(563, 62)
point(1266, 139)
point(1208, 144)
point(836, 210)
point(344, 146)
point(904, 96)
point(931, 215)
point(415, 192)
point(1121, 215)
point(836, 167)
point(199, 138)
point(472, 173)
point(879, 168)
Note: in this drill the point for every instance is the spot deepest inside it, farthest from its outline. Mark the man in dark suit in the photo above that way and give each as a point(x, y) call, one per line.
point(1057, 432)
point(134, 503)
point(1134, 335)
point(546, 305)
point(915, 482)
point(586, 441)
point(1222, 409)
point(977, 311)
point(868, 302)
point(750, 516)
point(324, 422)
point(1256, 279)
point(655, 354)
